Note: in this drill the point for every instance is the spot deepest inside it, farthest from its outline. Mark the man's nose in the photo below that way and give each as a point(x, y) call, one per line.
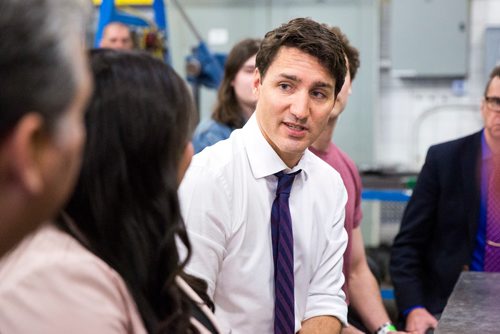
point(300, 105)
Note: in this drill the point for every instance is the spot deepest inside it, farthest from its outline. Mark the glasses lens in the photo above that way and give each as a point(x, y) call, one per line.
point(493, 102)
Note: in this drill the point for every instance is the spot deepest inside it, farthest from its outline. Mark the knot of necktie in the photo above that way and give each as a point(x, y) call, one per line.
point(285, 182)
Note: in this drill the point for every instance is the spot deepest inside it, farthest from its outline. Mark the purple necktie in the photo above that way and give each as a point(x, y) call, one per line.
point(282, 238)
point(492, 251)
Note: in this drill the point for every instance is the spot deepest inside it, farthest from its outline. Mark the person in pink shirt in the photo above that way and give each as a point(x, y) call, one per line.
point(361, 287)
point(110, 264)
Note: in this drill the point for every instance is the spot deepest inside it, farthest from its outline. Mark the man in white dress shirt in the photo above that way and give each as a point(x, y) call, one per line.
point(228, 192)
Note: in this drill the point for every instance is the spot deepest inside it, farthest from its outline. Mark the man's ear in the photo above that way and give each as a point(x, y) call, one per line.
point(24, 147)
point(256, 82)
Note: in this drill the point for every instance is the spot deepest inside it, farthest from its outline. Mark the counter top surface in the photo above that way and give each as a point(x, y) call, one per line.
point(474, 305)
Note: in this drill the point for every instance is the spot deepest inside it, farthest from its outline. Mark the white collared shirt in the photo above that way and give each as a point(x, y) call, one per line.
point(226, 199)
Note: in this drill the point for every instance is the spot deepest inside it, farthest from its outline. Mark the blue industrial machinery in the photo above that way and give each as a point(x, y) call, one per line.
point(202, 67)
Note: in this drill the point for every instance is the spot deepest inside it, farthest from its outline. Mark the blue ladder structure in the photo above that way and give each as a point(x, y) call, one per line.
point(389, 195)
point(211, 66)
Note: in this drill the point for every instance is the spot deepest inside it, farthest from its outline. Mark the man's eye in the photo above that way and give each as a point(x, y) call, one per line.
point(318, 95)
point(284, 86)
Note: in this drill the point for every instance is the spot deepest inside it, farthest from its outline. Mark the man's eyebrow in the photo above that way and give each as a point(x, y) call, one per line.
point(316, 84)
point(290, 77)
point(321, 84)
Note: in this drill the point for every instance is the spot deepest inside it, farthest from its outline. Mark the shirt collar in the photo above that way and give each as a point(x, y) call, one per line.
point(263, 160)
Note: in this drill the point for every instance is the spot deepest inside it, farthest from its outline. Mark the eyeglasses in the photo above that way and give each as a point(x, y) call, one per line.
point(493, 102)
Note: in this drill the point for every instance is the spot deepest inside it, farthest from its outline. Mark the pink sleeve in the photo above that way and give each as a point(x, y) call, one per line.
point(68, 297)
point(358, 213)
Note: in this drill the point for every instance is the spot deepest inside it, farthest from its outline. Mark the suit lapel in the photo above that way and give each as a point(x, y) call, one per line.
point(471, 181)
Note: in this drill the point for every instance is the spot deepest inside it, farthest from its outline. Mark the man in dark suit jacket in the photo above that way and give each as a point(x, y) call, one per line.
point(440, 233)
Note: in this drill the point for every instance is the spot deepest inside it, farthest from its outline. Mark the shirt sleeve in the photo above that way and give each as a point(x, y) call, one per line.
point(65, 297)
point(358, 212)
point(326, 296)
point(205, 204)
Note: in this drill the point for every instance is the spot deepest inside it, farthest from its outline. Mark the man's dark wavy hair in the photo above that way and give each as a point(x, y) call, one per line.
point(309, 37)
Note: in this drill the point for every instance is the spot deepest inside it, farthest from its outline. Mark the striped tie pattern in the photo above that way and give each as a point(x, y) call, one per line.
point(282, 240)
point(492, 251)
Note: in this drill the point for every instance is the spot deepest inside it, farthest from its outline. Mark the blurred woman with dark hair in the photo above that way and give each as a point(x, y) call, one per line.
point(111, 261)
point(235, 99)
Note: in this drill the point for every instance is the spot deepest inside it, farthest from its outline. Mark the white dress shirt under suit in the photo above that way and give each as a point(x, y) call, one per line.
point(226, 199)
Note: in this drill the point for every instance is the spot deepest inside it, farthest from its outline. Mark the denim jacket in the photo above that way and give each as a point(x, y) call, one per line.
point(208, 133)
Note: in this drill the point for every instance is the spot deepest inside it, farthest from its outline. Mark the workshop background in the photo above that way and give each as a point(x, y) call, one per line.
point(424, 64)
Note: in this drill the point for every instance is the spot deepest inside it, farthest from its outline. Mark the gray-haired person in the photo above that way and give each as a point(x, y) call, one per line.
point(44, 86)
